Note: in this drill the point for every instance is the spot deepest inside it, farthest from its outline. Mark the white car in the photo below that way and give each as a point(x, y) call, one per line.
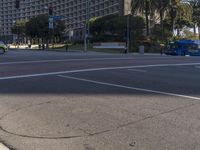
point(3, 47)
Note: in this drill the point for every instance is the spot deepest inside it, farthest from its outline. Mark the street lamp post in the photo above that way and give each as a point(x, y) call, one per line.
point(85, 39)
point(128, 32)
point(86, 35)
point(46, 8)
point(17, 33)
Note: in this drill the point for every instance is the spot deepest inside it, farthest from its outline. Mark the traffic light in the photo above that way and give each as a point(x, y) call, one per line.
point(50, 11)
point(17, 4)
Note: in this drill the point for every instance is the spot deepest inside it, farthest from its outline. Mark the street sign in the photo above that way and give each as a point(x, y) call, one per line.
point(51, 24)
point(57, 17)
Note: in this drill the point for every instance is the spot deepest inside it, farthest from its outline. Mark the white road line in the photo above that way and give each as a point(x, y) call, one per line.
point(198, 67)
point(130, 88)
point(67, 60)
point(136, 70)
point(3, 147)
point(93, 69)
point(63, 60)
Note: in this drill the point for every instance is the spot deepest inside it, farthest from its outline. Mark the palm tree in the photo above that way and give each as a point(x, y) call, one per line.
point(161, 7)
point(143, 7)
point(196, 14)
point(184, 16)
point(178, 10)
point(173, 10)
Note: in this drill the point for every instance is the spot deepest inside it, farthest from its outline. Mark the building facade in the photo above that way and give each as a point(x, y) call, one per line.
point(74, 12)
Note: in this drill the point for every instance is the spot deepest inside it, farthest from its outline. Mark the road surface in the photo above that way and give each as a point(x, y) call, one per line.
point(92, 101)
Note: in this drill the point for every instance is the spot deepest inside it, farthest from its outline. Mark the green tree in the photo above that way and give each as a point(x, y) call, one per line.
point(196, 14)
point(162, 7)
point(19, 28)
point(59, 29)
point(145, 7)
point(184, 16)
point(38, 27)
point(113, 28)
point(179, 15)
point(156, 36)
point(108, 28)
point(173, 9)
point(137, 31)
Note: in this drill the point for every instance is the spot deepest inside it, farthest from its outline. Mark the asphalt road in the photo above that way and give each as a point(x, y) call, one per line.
point(93, 101)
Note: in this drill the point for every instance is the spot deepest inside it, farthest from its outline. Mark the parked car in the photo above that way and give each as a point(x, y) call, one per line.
point(3, 47)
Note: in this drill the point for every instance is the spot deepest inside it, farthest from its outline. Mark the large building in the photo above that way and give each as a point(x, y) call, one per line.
point(73, 11)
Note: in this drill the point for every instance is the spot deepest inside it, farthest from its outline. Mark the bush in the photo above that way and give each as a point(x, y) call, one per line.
point(156, 34)
point(113, 28)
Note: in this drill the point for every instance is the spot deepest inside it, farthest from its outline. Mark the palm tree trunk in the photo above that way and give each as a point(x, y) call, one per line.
point(172, 25)
point(147, 24)
point(178, 32)
point(199, 31)
point(161, 23)
point(195, 32)
point(147, 17)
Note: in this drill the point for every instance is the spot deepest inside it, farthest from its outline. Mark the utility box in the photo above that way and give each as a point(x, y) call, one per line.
point(141, 49)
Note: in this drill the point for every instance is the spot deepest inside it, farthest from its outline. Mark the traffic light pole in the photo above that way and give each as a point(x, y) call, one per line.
point(17, 6)
point(52, 26)
point(128, 33)
point(86, 27)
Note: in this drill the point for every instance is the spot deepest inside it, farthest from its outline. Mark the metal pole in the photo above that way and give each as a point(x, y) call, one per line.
point(88, 20)
point(128, 33)
point(86, 28)
point(85, 39)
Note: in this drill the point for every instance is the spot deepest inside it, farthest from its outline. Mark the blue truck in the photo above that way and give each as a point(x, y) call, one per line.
point(183, 48)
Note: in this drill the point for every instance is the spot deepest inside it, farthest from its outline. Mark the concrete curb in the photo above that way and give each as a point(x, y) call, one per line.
point(81, 51)
point(52, 50)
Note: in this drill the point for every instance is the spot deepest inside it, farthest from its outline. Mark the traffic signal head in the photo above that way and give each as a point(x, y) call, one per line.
point(17, 4)
point(50, 10)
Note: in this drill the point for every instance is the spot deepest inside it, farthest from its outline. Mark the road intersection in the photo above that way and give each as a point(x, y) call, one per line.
point(92, 101)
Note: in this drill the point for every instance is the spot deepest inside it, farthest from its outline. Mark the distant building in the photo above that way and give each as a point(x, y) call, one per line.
point(73, 12)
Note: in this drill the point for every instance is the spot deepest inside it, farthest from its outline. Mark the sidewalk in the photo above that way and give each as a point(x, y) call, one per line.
point(3, 147)
point(35, 48)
